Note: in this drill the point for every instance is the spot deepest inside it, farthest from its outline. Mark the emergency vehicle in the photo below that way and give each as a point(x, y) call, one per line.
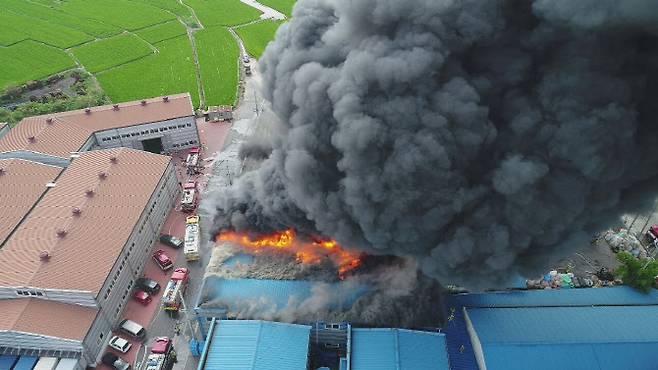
point(162, 355)
point(171, 298)
point(188, 200)
point(193, 162)
point(192, 238)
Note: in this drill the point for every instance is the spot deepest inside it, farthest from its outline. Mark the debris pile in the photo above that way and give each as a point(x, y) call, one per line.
point(623, 240)
point(568, 280)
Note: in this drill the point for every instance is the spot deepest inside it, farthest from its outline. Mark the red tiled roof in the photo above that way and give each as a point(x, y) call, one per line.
point(59, 134)
point(82, 258)
point(43, 317)
point(22, 183)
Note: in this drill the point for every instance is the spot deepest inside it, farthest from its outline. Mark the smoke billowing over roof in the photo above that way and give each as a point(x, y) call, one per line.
point(480, 137)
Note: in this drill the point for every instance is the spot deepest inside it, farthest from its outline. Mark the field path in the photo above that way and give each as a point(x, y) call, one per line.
point(198, 21)
point(268, 13)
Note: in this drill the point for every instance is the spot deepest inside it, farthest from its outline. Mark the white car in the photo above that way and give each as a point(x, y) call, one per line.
point(120, 344)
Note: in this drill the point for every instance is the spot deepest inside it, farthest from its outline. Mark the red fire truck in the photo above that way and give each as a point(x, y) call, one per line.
point(171, 298)
point(162, 355)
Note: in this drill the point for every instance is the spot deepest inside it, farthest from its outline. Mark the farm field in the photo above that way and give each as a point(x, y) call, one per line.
point(168, 72)
point(162, 31)
point(101, 55)
point(88, 26)
point(127, 15)
point(39, 30)
point(223, 12)
point(218, 57)
point(284, 6)
point(175, 7)
point(31, 60)
point(256, 36)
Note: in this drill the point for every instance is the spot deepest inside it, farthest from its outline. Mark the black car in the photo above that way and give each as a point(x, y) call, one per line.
point(115, 362)
point(171, 241)
point(148, 285)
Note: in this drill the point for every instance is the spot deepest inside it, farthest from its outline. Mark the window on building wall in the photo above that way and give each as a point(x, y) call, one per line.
point(189, 125)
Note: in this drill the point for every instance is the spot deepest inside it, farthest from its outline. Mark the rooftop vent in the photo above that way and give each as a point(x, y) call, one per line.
point(61, 233)
point(115, 107)
point(102, 175)
point(76, 211)
point(49, 120)
point(88, 110)
point(44, 255)
point(2, 171)
point(50, 185)
point(89, 193)
point(114, 159)
point(32, 139)
point(143, 102)
point(165, 99)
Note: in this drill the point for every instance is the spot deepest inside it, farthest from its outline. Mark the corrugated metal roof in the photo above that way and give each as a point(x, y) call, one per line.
point(600, 337)
point(607, 356)
point(44, 317)
point(537, 325)
point(22, 183)
point(258, 345)
point(398, 349)
point(621, 295)
point(72, 263)
point(68, 131)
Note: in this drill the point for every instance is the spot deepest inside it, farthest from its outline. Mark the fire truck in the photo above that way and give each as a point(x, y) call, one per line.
point(193, 162)
point(162, 356)
point(192, 238)
point(171, 298)
point(188, 200)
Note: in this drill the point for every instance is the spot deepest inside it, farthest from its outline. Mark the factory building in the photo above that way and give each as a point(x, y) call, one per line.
point(158, 125)
point(82, 205)
point(65, 278)
point(568, 329)
point(256, 345)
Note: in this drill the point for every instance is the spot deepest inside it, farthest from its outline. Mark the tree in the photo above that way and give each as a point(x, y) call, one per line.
point(638, 273)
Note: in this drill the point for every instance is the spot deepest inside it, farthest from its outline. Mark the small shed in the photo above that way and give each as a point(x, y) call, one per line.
point(256, 345)
point(219, 113)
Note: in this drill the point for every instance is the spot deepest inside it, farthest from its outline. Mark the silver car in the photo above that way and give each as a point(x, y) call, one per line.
point(120, 344)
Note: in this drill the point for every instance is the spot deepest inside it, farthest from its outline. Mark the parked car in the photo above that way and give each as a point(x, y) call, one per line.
point(162, 260)
point(115, 361)
point(142, 297)
point(120, 344)
point(148, 285)
point(171, 241)
point(132, 328)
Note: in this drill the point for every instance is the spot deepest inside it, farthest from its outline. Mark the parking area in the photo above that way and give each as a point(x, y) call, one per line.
point(151, 315)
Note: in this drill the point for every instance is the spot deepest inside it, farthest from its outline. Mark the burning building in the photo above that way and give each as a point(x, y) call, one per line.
point(480, 138)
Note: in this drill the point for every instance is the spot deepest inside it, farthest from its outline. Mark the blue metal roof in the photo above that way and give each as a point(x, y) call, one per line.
point(594, 337)
point(6, 361)
point(621, 295)
point(234, 293)
point(258, 345)
point(26, 363)
point(537, 325)
point(607, 356)
point(398, 349)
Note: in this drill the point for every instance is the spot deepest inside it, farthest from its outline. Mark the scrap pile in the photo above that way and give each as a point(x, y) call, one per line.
point(623, 240)
point(567, 280)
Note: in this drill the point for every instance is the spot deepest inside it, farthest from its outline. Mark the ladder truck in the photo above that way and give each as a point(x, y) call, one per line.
point(171, 298)
point(192, 238)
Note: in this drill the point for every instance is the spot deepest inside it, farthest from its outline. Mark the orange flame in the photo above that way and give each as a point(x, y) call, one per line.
point(307, 252)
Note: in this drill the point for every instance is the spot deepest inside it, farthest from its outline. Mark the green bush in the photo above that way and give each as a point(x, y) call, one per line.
point(637, 273)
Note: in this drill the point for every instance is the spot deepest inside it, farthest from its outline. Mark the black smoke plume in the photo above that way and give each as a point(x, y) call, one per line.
point(480, 137)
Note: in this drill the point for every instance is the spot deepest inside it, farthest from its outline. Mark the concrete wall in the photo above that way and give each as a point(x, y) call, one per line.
point(31, 341)
point(129, 266)
point(36, 157)
point(176, 134)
